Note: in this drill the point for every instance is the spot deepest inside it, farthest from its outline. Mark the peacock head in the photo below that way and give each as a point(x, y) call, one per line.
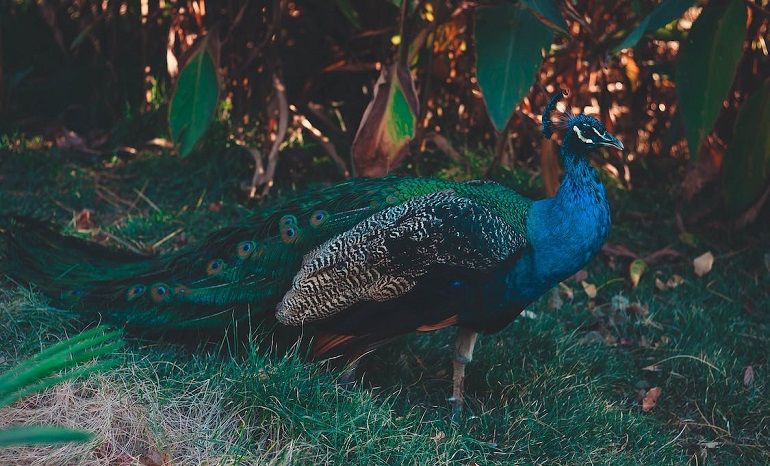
point(583, 133)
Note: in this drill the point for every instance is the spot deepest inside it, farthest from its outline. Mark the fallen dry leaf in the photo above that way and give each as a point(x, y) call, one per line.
point(651, 399)
point(589, 288)
point(639, 309)
point(635, 271)
point(748, 376)
point(439, 436)
point(659, 284)
point(580, 275)
point(154, 458)
point(703, 263)
point(674, 281)
point(83, 220)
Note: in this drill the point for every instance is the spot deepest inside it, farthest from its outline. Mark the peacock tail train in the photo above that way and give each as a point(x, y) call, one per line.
point(237, 271)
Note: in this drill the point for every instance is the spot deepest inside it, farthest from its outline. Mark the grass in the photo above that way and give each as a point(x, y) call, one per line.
point(562, 385)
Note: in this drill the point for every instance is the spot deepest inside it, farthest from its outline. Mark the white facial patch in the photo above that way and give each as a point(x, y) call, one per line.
point(581, 137)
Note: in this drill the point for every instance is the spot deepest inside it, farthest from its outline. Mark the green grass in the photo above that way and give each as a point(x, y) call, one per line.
point(561, 386)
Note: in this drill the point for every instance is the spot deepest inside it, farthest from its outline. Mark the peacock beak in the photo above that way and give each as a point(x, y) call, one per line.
point(612, 142)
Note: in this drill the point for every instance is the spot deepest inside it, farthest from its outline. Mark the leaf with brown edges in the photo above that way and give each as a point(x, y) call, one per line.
point(388, 124)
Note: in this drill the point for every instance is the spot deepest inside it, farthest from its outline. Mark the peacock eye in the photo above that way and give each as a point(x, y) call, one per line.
point(135, 291)
point(318, 217)
point(290, 235)
point(245, 248)
point(159, 292)
point(287, 220)
point(214, 267)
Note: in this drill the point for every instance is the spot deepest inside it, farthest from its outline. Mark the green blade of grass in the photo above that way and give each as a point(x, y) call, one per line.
point(58, 357)
point(31, 435)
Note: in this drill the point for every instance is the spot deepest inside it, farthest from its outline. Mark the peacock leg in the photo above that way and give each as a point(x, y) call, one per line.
point(349, 365)
point(349, 375)
point(466, 340)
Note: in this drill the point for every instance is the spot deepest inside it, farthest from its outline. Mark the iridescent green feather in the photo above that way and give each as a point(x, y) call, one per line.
point(210, 283)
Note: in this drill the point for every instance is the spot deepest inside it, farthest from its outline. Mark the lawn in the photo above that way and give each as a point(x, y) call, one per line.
point(572, 381)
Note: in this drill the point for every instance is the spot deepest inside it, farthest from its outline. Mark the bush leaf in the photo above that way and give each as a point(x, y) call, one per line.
point(664, 13)
point(747, 159)
point(549, 10)
point(194, 100)
point(706, 67)
point(509, 44)
point(388, 124)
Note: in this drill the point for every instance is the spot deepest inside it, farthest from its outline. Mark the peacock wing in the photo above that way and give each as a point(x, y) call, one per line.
point(386, 255)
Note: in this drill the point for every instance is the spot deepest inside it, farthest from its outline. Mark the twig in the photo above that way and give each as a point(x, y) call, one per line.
point(672, 440)
point(726, 298)
point(443, 145)
point(709, 424)
point(687, 356)
point(136, 200)
point(324, 142)
point(166, 238)
point(500, 146)
point(148, 201)
point(125, 244)
point(283, 126)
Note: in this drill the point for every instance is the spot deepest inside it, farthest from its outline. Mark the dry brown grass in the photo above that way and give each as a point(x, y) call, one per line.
point(136, 422)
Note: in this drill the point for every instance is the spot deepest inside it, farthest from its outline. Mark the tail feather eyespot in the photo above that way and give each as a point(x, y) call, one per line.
point(215, 266)
point(290, 234)
point(245, 249)
point(287, 220)
point(71, 294)
point(160, 292)
point(318, 218)
point(134, 292)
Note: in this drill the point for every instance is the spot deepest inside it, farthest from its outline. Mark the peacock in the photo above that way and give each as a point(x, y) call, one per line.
point(357, 264)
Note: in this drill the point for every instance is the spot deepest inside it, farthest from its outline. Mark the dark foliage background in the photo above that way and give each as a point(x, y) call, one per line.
point(97, 76)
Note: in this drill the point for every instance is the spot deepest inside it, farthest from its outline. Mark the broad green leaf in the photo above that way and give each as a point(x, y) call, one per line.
point(194, 100)
point(747, 159)
point(549, 10)
point(509, 50)
point(388, 124)
point(707, 63)
point(350, 12)
point(664, 13)
point(30, 435)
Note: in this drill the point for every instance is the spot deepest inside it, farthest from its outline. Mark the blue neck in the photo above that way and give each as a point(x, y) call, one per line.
point(565, 232)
